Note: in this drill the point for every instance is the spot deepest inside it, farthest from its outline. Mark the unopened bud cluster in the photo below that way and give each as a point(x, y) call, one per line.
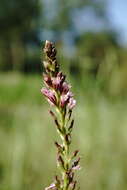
point(58, 94)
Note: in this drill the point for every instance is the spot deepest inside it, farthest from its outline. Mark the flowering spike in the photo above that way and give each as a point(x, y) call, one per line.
point(58, 94)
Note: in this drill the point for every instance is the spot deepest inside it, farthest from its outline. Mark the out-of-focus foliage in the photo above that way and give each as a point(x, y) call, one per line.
point(21, 22)
point(27, 137)
point(18, 25)
point(101, 58)
point(17, 15)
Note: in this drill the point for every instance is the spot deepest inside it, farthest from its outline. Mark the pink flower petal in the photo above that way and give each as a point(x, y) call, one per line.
point(52, 186)
point(72, 103)
point(50, 95)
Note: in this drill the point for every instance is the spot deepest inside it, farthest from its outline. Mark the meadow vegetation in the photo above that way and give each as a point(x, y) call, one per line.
point(27, 135)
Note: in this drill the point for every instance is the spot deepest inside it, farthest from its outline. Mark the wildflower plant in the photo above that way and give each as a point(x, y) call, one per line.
point(58, 94)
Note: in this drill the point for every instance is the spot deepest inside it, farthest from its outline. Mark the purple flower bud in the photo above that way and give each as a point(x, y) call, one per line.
point(72, 103)
point(47, 80)
point(56, 83)
point(65, 88)
point(61, 76)
point(52, 186)
point(65, 99)
point(50, 95)
point(76, 167)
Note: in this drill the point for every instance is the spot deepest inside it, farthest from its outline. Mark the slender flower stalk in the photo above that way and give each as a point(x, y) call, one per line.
point(58, 94)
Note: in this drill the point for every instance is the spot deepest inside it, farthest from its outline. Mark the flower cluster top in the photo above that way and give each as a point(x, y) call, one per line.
point(57, 90)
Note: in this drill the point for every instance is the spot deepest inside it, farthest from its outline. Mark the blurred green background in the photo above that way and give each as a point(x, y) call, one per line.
point(91, 40)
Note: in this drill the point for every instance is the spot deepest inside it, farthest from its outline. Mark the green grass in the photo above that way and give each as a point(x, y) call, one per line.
point(27, 133)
